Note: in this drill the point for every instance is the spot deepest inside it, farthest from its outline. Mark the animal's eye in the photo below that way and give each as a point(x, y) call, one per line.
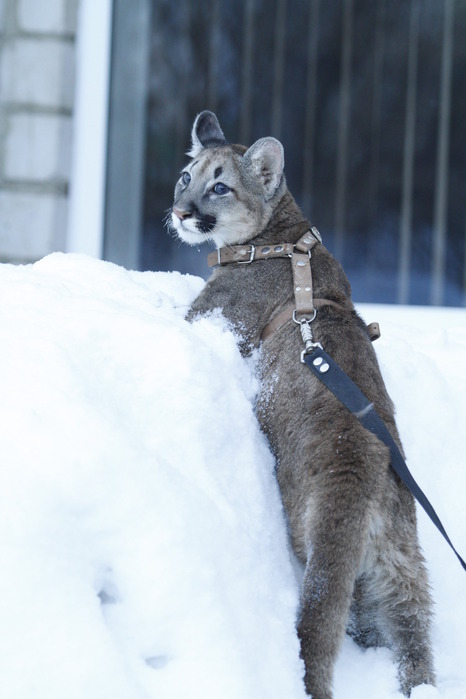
point(186, 178)
point(220, 188)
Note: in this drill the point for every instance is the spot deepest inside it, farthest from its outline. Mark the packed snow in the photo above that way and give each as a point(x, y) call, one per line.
point(144, 551)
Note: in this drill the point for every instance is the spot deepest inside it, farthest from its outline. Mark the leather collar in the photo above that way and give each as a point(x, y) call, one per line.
point(245, 254)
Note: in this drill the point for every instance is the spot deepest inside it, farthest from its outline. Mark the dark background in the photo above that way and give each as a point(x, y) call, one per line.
point(354, 90)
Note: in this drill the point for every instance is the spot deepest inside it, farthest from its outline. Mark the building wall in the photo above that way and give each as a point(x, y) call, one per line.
point(37, 55)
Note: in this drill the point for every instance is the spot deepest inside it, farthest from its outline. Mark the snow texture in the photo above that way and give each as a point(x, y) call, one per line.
point(143, 545)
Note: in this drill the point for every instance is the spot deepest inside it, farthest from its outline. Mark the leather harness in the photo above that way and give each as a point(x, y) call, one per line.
point(305, 305)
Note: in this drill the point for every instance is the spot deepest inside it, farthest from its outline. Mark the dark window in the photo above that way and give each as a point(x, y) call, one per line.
point(367, 97)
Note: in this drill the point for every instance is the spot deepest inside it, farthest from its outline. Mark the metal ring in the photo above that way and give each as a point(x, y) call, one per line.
point(303, 320)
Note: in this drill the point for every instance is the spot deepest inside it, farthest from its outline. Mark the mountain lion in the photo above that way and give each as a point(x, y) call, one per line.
point(352, 521)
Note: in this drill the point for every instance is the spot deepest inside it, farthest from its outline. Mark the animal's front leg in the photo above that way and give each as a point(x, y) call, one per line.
point(247, 333)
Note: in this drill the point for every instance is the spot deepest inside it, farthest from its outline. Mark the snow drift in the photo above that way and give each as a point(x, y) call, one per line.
point(142, 540)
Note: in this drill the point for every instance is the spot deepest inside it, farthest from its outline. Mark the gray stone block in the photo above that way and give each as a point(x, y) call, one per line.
point(47, 16)
point(38, 72)
point(31, 225)
point(37, 147)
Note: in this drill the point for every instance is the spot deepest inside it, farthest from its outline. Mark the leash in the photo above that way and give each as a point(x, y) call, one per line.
point(343, 388)
point(303, 312)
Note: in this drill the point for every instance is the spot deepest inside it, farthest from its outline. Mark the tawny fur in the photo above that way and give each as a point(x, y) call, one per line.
point(352, 522)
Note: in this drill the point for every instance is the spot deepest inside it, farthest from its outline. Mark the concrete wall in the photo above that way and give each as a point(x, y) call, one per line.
point(37, 53)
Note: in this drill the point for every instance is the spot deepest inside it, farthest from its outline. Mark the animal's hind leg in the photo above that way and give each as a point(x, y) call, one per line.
point(338, 539)
point(363, 625)
point(405, 611)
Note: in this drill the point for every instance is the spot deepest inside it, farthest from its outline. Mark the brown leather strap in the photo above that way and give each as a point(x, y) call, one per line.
point(309, 240)
point(244, 254)
point(373, 329)
point(277, 322)
point(287, 314)
point(302, 283)
point(302, 274)
point(300, 254)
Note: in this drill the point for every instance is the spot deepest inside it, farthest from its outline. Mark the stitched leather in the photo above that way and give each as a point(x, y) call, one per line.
point(302, 281)
point(243, 254)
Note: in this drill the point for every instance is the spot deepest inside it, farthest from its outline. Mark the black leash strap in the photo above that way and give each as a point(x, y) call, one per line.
point(323, 366)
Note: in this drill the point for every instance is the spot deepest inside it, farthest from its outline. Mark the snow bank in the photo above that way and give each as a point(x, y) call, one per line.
point(142, 541)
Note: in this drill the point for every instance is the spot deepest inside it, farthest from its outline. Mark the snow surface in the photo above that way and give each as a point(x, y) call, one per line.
point(143, 545)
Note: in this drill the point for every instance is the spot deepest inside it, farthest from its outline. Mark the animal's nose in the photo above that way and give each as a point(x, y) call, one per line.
point(182, 214)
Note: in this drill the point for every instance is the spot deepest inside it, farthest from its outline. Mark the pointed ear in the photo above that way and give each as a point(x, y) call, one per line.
point(206, 132)
point(267, 159)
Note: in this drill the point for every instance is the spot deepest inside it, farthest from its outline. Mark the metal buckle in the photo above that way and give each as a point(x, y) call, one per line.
point(306, 334)
point(316, 234)
point(303, 320)
point(251, 256)
point(297, 251)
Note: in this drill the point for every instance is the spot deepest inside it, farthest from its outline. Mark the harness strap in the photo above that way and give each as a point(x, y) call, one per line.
point(373, 329)
point(300, 255)
point(339, 383)
point(287, 314)
point(245, 254)
point(302, 274)
point(302, 283)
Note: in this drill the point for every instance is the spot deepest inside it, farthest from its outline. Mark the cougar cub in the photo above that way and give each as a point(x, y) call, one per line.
point(352, 522)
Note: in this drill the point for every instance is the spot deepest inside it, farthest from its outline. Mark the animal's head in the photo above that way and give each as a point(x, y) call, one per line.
point(227, 193)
